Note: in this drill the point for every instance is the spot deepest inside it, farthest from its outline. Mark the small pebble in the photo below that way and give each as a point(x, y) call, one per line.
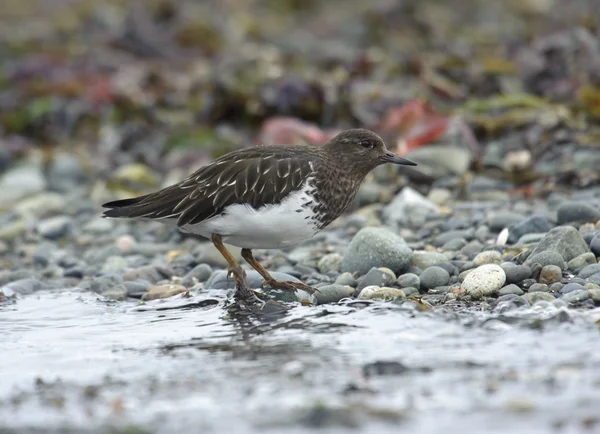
point(433, 277)
point(550, 274)
point(484, 281)
point(163, 291)
point(330, 262)
point(408, 280)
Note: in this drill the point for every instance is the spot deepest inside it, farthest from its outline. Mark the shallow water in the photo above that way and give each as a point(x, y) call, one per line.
point(71, 362)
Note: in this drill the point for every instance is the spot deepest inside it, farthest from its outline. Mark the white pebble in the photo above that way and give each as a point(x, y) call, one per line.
point(484, 281)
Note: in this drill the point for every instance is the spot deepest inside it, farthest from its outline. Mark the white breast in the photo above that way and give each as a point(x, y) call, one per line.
point(270, 227)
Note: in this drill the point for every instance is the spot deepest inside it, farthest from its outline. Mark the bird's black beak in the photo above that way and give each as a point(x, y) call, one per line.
point(390, 157)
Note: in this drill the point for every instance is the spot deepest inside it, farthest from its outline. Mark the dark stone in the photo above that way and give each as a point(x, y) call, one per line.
point(577, 211)
point(531, 225)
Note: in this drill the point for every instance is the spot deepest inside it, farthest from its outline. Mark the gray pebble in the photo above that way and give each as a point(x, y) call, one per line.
point(115, 263)
point(595, 245)
point(570, 287)
point(376, 247)
point(219, 279)
point(422, 259)
point(472, 249)
point(534, 297)
point(118, 293)
point(23, 286)
point(487, 257)
point(450, 268)
point(137, 288)
point(503, 219)
point(433, 277)
point(445, 237)
point(510, 289)
point(536, 224)
point(581, 261)
point(563, 240)
point(376, 277)
point(332, 293)
point(589, 270)
point(183, 263)
point(55, 228)
point(151, 273)
point(330, 262)
point(595, 295)
point(455, 244)
point(539, 287)
point(346, 279)
point(200, 273)
point(550, 274)
point(408, 291)
point(577, 211)
point(556, 287)
point(102, 283)
point(516, 273)
point(576, 296)
point(408, 280)
point(531, 238)
point(546, 258)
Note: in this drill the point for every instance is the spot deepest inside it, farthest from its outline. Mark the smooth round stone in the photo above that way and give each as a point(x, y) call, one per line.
point(102, 283)
point(516, 273)
point(23, 286)
point(219, 279)
point(577, 211)
point(55, 228)
point(65, 173)
point(539, 287)
point(377, 277)
point(423, 259)
point(565, 241)
point(163, 291)
point(455, 245)
point(20, 182)
point(115, 263)
point(472, 248)
point(332, 293)
point(330, 262)
point(99, 226)
point(531, 238)
point(408, 280)
point(581, 261)
point(200, 273)
point(510, 289)
point(550, 274)
point(556, 287)
point(595, 245)
point(376, 247)
point(536, 224)
point(118, 293)
point(450, 268)
point(346, 279)
point(570, 287)
point(182, 263)
point(383, 294)
point(151, 273)
point(595, 295)
point(546, 258)
point(503, 219)
point(410, 290)
point(589, 270)
point(43, 205)
point(534, 297)
point(484, 281)
point(576, 296)
point(487, 257)
point(433, 277)
point(137, 288)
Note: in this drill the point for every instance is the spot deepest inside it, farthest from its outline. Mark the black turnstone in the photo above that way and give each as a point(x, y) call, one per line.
point(265, 197)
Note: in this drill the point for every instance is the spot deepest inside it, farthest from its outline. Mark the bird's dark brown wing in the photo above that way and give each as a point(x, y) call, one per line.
point(255, 176)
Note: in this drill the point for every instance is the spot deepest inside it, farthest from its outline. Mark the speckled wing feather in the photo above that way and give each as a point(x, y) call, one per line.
point(255, 177)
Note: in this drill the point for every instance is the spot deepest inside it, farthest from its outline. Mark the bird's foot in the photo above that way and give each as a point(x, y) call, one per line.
point(289, 286)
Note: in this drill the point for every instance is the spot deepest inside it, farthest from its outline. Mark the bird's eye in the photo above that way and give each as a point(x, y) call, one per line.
point(367, 144)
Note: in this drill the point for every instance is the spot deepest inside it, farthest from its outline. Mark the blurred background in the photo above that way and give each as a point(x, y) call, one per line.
point(121, 97)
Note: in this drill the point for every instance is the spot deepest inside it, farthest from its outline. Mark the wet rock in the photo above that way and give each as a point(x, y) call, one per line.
point(55, 228)
point(487, 257)
point(510, 289)
point(408, 208)
point(534, 297)
point(377, 277)
point(182, 263)
point(383, 294)
point(23, 286)
point(200, 273)
point(102, 283)
point(136, 288)
point(219, 279)
point(577, 211)
point(472, 248)
point(163, 291)
point(589, 270)
point(448, 236)
point(536, 224)
point(484, 281)
point(207, 253)
point(7, 276)
point(556, 287)
point(346, 279)
point(20, 182)
point(376, 247)
point(151, 273)
point(433, 277)
point(332, 293)
point(539, 287)
point(546, 258)
point(118, 293)
point(423, 259)
point(408, 280)
point(576, 296)
point(570, 287)
point(330, 262)
point(595, 295)
point(550, 274)
point(516, 273)
point(581, 261)
point(564, 240)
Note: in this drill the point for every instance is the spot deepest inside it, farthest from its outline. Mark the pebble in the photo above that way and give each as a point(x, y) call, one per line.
point(576, 296)
point(163, 291)
point(577, 211)
point(534, 297)
point(137, 288)
point(42, 205)
point(207, 253)
point(151, 273)
point(484, 281)
point(408, 280)
point(23, 286)
point(65, 173)
point(20, 182)
point(99, 226)
point(546, 258)
point(550, 274)
point(531, 239)
point(595, 295)
point(503, 219)
point(118, 293)
point(455, 244)
point(433, 277)
point(330, 262)
point(376, 247)
point(200, 273)
point(54, 228)
point(487, 257)
point(409, 208)
point(510, 289)
point(472, 248)
point(219, 279)
point(377, 277)
point(536, 224)
point(516, 273)
point(570, 287)
point(115, 263)
point(538, 287)
point(346, 279)
point(332, 293)
point(446, 237)
point(563, 240)
point(595, 245)
point(379, 293)
point(423, 259)
point(578, 262)
point(556, 287)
